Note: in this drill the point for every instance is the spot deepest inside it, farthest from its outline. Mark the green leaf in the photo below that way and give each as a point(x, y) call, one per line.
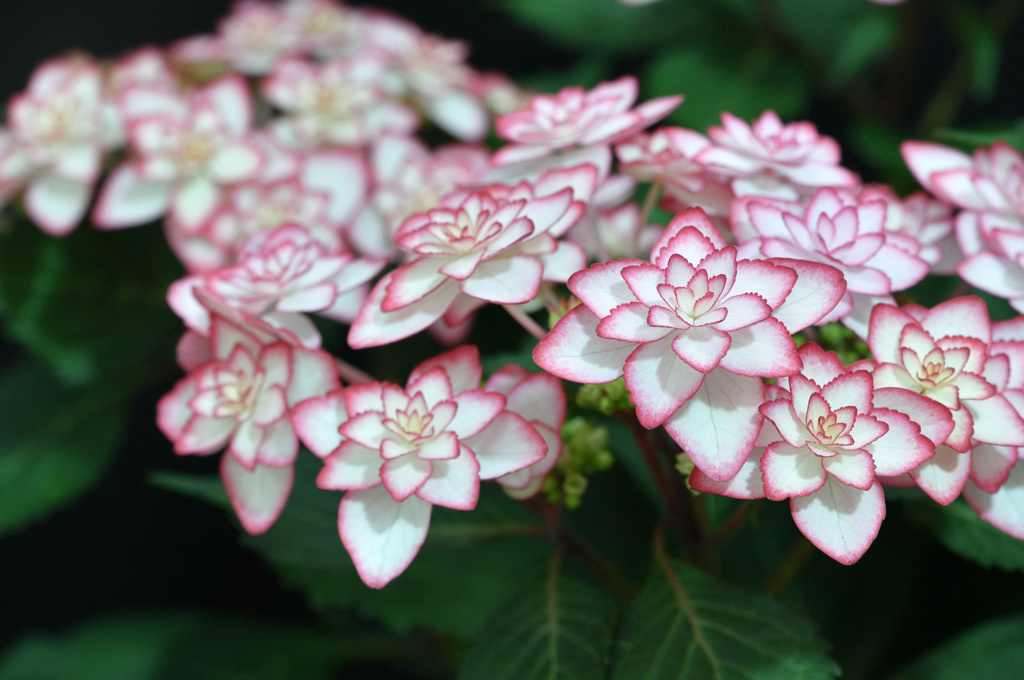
point(461, 575)
point(842, 37)
point(1010, 132)
point(91, 304)
point(991, 651)
point(606, 27)
point(55, 442)
point(186, 645)
point(717, 79)
point(961, 530)
point(557, 627)
point(686, 625)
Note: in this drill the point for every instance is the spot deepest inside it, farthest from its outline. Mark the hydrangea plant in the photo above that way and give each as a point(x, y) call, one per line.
point(399, 278)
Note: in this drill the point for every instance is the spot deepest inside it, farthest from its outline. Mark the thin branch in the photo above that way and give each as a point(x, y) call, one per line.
point(650, 200)
point(524, 320)
point(350, 374)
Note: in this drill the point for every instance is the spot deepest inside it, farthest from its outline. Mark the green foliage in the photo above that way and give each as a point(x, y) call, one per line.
point(717, 78)
point(462, 573)
point(838, 39)
point(555, 628)
point(961, 530)
point(56, 442)
point(991, 651)
point(686, 625)
point(198, 646)
point(91, 304)
point(607, 27)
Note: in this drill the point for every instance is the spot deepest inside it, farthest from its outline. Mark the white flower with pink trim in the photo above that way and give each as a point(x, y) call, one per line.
point(340, 102)
point(397, 452)
point(494, 244)
point(693, 331)
point(409, 179)
point(187, 152)
point(428, 71)
point(241, 398)
point(943, 354)
point(540, 399)
point(842, 230)
point(577, 117)
point(989, 189)
point(918, 224)
point(54, 144)
point(772, 158)
point(280, 275)
point(826, 440)
point(1000, 501)
point(668, 156)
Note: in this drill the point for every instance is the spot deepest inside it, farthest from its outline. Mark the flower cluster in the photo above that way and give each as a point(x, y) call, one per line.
point(296, 182)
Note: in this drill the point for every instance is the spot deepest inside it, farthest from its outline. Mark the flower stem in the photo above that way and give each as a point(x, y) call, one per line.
point(350, 373)
point(650, 200)
point(524, 320)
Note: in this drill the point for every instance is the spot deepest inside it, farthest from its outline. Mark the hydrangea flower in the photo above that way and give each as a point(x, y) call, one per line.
point(826, 439)
point(53, 147)
point(844, 231)
point(188, 151)
point(770, 158)
point(943, 354)
point(574, 117)
point(693, 331)
point(990, 226)
point(494, 244)
point(280, 275)
point(241, 398)
point(340, 102)
point(397, 452)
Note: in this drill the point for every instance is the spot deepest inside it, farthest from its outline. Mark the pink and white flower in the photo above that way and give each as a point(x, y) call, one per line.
point(989, 189)
point(428, 71)
point(832, 433)
point(280, 276)
point(398, 452)
point(410, 179)
point(241, 398)
point(839, 229)
point(918, 224)
point(693, 331)
point(340, 102)
point(574, 117)
point(943, 354)
point(187, 153)
point(540, 400)
point(770, 158)
point(668, 156)
point(53, 147)
point(494, 244)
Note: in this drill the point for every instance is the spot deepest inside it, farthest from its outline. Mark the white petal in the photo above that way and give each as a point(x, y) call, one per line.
point(841, 520)
point(382, 535)
point(258, 495)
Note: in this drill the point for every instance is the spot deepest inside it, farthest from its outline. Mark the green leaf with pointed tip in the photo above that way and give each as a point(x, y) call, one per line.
point(557, 628)
point(687, 625)
point(197, 646)
point(991, 651)
point(55, 443)
point(91, 304)
point(461, 575)
point(960, 529)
